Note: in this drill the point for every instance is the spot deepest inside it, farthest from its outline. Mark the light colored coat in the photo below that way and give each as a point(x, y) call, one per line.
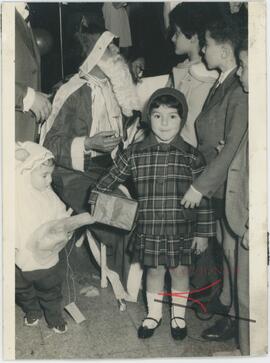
point(194, 80)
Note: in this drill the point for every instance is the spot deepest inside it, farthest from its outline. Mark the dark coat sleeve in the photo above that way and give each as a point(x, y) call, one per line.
point(27, 74)
point(20, 93)
point(205, 216)
point(216, 171)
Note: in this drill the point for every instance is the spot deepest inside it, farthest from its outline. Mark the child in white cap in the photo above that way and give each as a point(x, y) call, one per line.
point(38, 274)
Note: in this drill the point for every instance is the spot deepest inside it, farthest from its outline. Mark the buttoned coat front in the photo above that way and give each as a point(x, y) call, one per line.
point(162, 173)
point(224, 117)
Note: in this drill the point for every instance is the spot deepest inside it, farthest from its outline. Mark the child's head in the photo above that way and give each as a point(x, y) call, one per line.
point(187, 20)
point(34, 164)
point(242, 53)
point(221, 40)
point(41, 176)
point(166, 113)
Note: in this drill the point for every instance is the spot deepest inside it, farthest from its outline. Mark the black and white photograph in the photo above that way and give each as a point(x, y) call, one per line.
point(136, 224)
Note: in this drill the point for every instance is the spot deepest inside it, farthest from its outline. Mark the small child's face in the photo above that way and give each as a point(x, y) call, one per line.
point(182, 44)
point(41, 177)
point(243, 69)
point(212, 52)
point(165, 123)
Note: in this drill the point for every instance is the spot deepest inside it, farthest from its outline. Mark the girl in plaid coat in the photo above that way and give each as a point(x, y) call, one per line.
point(162, 168)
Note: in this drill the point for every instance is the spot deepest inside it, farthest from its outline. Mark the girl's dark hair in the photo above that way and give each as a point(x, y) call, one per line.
point(190, 18)
point(167, 100)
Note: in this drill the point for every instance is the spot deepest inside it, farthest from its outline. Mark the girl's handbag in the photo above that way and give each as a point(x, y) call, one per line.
point(115, 210)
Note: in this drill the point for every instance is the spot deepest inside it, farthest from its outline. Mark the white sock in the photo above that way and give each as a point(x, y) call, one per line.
point(154, 309)
point(179, 311)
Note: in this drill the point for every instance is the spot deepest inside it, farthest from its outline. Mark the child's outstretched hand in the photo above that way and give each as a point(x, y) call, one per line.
point(199, 245)
point(52, 236)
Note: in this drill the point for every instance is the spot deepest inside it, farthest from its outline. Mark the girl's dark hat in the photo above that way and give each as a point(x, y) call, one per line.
point(166, 91)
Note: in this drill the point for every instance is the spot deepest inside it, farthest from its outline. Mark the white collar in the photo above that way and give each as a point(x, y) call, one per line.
point(224, 75)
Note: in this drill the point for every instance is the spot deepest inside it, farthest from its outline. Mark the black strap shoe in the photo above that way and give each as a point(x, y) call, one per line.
point(178, 333)
point(145, 332)
point(223, 329)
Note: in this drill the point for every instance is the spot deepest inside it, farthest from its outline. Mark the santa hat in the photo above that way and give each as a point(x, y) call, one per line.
point(97, 51)
point(90, 28)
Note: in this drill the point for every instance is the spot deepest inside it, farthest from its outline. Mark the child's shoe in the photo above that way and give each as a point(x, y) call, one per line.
point(60, 328)
point(178, 333)
point(31, 319)
point(144, 331)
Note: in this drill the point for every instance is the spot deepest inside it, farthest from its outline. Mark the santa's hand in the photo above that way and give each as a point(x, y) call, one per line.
point(104, 141)
point(199, 245)
point(192, 198)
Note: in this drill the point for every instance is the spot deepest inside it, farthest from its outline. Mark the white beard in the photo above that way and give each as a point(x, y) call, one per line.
point(118, 72)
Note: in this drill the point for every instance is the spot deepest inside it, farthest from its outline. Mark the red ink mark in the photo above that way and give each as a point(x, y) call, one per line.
point(184, 294)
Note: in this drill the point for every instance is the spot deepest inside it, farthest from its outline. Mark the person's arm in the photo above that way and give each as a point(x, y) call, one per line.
point(68, 138)
point(27, 99)
point(117, 175)
point(215, 173)
point(205, 217)
point(20, 93)
point(206, 224)
point(61, 136)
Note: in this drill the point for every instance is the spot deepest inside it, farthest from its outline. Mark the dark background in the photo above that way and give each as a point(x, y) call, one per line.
point(148, 36)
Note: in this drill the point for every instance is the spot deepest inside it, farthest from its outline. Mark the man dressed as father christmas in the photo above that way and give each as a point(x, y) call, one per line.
point(89, 121)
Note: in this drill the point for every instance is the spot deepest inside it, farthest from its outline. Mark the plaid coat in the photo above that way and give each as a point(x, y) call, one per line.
point(162, 173)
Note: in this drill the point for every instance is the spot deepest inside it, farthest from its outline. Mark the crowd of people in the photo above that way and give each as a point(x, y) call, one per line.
point(183, 158)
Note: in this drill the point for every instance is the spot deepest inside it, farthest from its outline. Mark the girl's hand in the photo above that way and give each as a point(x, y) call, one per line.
point(199, 245)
